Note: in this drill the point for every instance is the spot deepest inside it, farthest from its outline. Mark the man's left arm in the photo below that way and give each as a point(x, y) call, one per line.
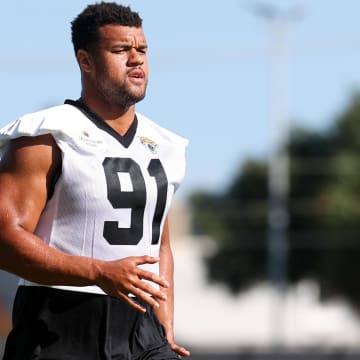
point(165, 312)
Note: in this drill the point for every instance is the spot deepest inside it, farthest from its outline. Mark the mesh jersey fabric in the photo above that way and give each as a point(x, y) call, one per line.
point(111, 199)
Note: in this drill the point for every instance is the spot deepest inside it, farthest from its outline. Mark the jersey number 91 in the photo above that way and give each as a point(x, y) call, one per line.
point(134, 200)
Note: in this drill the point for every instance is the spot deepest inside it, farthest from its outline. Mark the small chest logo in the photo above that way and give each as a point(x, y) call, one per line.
point(88, 140)
point(150, 144)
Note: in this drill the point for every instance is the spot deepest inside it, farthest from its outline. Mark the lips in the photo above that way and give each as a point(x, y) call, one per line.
point(136, 74)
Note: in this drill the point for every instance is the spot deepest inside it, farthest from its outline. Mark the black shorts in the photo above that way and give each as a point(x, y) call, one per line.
point(55, 324)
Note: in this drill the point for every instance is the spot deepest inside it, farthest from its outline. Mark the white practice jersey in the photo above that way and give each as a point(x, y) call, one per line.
point(114, 192)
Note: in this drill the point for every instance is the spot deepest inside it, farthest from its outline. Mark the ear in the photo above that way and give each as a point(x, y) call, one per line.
point(84, 59)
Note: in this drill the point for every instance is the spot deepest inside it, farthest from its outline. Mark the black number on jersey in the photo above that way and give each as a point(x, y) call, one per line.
point(134, 200)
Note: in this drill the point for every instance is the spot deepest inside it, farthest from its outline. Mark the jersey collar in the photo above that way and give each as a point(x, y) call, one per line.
point(124, 140)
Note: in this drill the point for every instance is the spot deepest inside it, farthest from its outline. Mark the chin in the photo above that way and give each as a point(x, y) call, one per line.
point(139, 97)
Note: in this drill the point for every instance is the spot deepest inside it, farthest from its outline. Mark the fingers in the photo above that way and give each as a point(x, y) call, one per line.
point(147, 275)
point(145, 297)
point(146, 259)
point(180, 350)
point(140, 283)
point(121, 277)
point(145, 291)
point(132, 303)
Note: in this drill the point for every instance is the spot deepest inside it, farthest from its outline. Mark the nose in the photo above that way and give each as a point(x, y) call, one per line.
point(135, 57)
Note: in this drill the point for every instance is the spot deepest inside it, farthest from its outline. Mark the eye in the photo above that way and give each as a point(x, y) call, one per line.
point(121, 49)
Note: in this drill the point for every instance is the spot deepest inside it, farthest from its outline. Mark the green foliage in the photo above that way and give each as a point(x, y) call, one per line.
point(236, 220)
point(323, 205)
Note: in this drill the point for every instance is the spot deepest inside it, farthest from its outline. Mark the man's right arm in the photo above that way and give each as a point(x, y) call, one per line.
point(26, 172)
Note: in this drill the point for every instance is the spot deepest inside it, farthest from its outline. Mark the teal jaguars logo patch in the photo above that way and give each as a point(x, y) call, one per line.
point(150, 144)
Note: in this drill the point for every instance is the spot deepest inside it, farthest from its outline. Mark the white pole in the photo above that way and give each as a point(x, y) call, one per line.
point(278, 177)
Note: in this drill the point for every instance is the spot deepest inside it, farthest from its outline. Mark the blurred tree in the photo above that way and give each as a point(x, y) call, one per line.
point(324, 210)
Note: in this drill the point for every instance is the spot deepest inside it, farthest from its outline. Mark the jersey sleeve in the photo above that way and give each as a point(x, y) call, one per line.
point(33, 124)
point(64, 122)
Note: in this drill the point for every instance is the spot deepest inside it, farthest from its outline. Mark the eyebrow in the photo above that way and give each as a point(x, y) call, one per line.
point(129, 46)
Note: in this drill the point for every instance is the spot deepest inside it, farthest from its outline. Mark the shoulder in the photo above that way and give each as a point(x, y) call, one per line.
point(40, 121)
point(56, 121)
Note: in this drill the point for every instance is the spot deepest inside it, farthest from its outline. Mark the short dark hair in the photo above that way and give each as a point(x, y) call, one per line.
point(84, 28)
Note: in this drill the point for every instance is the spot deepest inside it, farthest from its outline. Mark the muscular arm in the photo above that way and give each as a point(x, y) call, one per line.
point(26, 172)
point(165, 312)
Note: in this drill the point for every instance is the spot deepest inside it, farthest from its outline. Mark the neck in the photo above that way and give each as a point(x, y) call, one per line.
point(120, 119)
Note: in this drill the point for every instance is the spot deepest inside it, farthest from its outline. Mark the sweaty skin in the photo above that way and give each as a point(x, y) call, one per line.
point(165, 312)
point(114, 78)
point(25, 177)
point(113, 92)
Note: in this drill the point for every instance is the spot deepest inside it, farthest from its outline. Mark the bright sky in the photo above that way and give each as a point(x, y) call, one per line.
point(210, 77)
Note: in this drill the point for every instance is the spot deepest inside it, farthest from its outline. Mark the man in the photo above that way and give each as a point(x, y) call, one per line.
point(85, 189)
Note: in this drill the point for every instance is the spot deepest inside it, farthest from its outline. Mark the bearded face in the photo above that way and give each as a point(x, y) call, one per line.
point(119, 71)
